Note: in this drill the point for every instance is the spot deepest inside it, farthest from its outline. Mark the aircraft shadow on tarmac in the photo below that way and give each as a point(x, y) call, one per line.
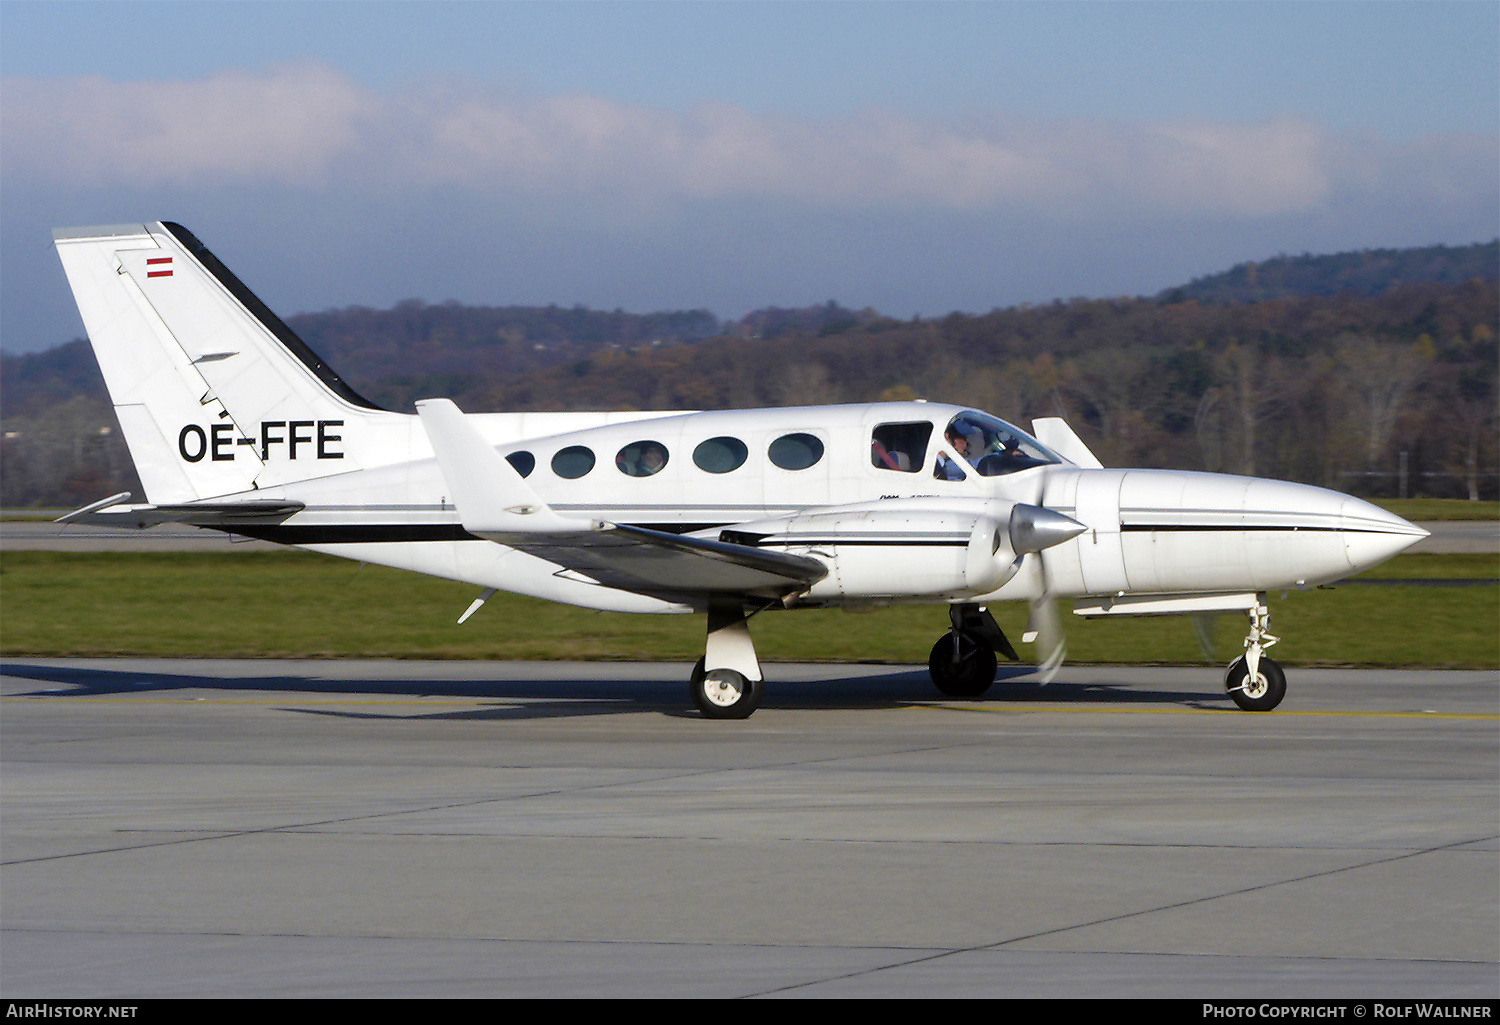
point(567, 696)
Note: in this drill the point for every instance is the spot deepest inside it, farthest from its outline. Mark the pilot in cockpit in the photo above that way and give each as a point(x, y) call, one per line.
point(958, 440)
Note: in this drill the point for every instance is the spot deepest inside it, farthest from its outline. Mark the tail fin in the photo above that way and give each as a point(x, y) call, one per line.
point(214, 393)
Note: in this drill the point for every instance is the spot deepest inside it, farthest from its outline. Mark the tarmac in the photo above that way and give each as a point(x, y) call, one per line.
point(219, 828)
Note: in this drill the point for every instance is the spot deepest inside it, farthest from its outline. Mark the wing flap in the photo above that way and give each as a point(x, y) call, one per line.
point(674, 567)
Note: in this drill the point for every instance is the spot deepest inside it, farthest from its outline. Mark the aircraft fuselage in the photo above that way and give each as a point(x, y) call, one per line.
point(888, 535)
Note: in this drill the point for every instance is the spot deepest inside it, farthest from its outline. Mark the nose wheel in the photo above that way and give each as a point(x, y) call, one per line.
point(1260, 692)
point(1255, 682)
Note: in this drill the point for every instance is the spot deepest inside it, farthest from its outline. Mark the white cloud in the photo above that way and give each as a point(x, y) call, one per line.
point(287, 126)
point(309, 127)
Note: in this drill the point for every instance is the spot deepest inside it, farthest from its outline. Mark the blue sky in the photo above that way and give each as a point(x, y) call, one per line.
point(917, 158)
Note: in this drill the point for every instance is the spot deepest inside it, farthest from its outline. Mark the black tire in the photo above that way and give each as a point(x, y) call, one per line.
point(966, 672)
point(1261, 695)
point(724, 693)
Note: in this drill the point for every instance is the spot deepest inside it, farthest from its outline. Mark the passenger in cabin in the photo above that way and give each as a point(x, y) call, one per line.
point(641, 459)
point(900, 446)
point(653, 458)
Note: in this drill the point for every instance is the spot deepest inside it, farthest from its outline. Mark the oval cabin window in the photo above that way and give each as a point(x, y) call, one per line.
point(573, 462)
point(641, 458)
point(720, 455)
point(795, 451)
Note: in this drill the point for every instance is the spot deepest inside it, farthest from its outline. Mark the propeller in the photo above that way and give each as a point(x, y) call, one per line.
point(1032, 530)
point(1045, 628)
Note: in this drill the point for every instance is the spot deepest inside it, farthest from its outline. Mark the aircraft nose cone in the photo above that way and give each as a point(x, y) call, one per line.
point(1372, 535)
point(1033, 528)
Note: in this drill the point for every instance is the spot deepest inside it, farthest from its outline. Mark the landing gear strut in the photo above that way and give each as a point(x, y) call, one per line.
point(1255, 682)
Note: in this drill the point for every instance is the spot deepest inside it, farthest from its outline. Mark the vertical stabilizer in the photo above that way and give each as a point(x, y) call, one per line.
point(214, 393)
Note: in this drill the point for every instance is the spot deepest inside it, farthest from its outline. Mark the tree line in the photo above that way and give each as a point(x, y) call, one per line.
point(1370, 394)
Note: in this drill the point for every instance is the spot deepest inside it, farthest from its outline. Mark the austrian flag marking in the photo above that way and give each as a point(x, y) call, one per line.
point(164, 265)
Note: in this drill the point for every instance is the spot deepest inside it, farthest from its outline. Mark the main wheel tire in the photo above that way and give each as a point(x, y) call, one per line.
point(724, 693)
point(1260, 694)
point(963, 673)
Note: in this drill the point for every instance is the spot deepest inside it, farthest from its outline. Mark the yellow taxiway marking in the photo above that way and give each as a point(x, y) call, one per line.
point(1278, 713)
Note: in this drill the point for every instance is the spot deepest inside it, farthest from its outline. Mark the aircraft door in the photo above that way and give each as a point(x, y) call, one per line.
point(1100, 554)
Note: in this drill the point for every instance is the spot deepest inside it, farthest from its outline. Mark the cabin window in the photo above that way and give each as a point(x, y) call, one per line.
point(901, 447)
point(573, 462)
point(720, 455)
point(524, 462)
point(795, 451)
point(642, 458)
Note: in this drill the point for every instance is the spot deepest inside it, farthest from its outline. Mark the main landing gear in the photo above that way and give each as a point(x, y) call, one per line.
point(732, 689)
point(724, 693)
point(962, 663)
point(1255, 682)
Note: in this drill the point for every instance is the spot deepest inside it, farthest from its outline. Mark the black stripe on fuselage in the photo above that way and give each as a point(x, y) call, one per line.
point(1128, 528)
point(386, 533)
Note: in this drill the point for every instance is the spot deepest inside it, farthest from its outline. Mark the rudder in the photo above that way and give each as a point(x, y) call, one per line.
point(214, 393)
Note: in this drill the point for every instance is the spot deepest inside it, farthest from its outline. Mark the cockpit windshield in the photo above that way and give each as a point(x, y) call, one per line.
point(991, 447)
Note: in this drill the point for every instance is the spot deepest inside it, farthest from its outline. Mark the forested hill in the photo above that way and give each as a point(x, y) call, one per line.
point(415, 349)
point(1368, 272)
point(1322, 389)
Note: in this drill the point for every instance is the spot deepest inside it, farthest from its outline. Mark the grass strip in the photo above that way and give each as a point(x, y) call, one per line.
point(299, 604)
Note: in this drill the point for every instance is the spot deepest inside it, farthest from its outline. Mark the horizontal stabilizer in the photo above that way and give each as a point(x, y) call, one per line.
point(114, 511)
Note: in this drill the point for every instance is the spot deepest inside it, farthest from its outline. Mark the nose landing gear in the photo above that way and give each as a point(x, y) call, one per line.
point(962, 663)
point(1255, 682)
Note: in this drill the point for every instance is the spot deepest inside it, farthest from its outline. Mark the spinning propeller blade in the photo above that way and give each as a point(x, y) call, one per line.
point(1034, 529)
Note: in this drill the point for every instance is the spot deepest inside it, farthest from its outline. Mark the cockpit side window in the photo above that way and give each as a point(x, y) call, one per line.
point(901, 447)
point(991, 447)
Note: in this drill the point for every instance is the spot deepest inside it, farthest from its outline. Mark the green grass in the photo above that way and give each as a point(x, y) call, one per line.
point(301, 604)
point(1439, 508)
point(1429, 566)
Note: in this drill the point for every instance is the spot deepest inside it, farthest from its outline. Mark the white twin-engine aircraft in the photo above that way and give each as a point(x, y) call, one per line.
point(235, 424)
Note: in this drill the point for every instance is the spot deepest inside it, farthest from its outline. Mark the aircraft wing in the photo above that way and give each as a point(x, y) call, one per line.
point(496, 503)
point(673, 567)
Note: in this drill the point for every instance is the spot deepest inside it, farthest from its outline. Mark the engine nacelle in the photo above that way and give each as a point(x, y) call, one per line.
point(912, 547)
